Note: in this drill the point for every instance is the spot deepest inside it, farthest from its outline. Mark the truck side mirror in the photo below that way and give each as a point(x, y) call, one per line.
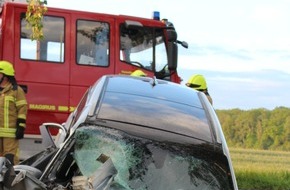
point(172, 56)
point(172, 49)
point(171, 35)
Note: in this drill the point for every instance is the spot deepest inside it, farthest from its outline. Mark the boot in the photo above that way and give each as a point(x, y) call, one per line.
point(10, 157)
point(10, 174)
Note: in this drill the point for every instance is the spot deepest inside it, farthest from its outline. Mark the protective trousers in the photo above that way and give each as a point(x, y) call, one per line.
point(9, 149)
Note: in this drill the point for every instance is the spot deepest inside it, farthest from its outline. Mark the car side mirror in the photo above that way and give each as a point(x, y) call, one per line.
point(48, 139)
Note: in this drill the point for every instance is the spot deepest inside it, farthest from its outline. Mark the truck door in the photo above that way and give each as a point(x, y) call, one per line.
point(93, 51)
point(42, 68)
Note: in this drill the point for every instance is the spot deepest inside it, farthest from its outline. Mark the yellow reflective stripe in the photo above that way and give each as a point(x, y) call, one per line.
point(6, 110)
point(66, 108)
point(71, 109)
point(126, 72)
point(9, 98)
point(7, 135)
point(51, 107)
point(62, 108)
point(7, 132)
point(22, 125)
point(21, 102)
point(42, 107)
point(22, 116)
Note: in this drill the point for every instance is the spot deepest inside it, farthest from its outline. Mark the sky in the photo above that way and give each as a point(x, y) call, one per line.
point(242, 47)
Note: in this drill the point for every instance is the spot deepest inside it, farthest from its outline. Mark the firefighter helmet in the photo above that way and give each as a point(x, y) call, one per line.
point(138, 73)
point(197, 82)
point(6, 68)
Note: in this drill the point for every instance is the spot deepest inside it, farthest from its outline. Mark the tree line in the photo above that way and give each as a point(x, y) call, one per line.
point(257, 128)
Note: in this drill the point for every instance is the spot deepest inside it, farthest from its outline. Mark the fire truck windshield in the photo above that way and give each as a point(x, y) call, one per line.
point(137, 47)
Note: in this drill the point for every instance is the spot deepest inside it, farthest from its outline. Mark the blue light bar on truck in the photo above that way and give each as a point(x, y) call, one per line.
point(156, 15)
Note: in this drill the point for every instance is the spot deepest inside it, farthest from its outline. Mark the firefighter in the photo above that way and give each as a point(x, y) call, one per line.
point(13, 111)
point(138, 73)
point(198, 82)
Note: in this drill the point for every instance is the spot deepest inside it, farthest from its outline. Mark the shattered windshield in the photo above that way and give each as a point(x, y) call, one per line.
point(122, 161)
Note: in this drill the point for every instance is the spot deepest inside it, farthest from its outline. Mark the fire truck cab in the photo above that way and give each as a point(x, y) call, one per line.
point(78, 48)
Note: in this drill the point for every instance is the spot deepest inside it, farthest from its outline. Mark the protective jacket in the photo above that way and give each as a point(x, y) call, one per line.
point(13, 106)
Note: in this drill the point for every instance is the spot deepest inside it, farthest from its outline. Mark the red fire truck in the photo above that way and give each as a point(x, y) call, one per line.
point(77, 49)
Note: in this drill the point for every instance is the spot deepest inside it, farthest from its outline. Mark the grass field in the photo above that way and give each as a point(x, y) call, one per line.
point(261, 169)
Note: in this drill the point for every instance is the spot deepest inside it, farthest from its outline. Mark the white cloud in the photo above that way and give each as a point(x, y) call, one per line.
point(235, 60)
point(270, 13)
point(213, 63)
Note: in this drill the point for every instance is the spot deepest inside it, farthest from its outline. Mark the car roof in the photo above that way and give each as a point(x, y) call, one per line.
point(151, 108)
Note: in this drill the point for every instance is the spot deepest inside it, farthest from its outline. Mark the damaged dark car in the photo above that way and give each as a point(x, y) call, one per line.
point(130, 133)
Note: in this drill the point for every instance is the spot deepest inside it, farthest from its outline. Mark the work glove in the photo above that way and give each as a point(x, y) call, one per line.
point(20, 127)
